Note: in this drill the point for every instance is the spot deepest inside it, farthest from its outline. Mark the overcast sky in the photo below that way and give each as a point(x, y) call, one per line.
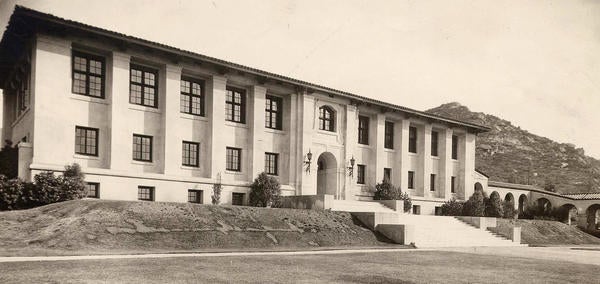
point(535, 63)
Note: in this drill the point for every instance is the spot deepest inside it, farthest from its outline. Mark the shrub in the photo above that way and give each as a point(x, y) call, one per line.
point(10, 193)
point(386, 191)
point(494, 206)
point(216, 191)
point(407, 201)
point(452, 207)
point(9, 160)
point(475, 206)
point(265, 191)
point(509, 210)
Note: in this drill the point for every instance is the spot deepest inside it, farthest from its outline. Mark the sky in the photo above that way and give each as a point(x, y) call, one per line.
point(534, 63)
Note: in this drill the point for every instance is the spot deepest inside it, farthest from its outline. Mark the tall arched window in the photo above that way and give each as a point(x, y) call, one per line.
point(326, 118)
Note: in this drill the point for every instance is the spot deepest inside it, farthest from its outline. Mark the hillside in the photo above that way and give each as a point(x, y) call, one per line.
point(542, 232)
point(510, 154)
point(109, 227)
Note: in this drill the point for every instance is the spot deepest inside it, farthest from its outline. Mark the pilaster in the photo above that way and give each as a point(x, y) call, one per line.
point(172, 139)
point(118, 95)
point(378, 140)
point(215, 102)
point(468, 160)
point(445, 144)
point(402, 149)
point(309, 179)
point(352, 190)
point(425, 160)
point(257, 125)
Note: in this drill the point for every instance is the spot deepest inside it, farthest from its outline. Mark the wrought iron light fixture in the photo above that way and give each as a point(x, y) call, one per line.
point(351, 167)
point(308, 161)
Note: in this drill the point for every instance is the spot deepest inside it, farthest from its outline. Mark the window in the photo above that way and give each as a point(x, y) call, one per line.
point(195, 196)
point(363, 130)
point(146, 193)
point(142, 148)
point(453, 184)
point(192, 97)
point(416, 209)
point(233, 159)
point(143, 86)
point(92, 190)
point(273, 112)
point(434, 143)
point(190, 154)
point(411, 179)
point(326, 119)
point(454, 147)
point(360, 174)
point(88, 75)
point(412, 139)
point(271, 161)
point(432, 182)
point(86, 141)
point(237, 198)
point(235, 105)
point(389, 135)
point(387, 174)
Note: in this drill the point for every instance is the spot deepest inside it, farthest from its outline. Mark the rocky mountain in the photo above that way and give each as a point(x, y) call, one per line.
point(510, 154)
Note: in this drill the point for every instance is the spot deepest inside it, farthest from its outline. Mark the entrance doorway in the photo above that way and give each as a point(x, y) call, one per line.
point(327, 175)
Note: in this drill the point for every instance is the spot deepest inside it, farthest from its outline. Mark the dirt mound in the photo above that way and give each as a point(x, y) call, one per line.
point(541, 232)
point(98, 226)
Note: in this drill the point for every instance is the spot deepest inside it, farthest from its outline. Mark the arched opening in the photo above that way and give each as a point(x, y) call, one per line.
point(522, 203)
point(544, 207)
point(327, 174)
point(510, 199)
point(495, 194)
point(593, 217)
point(509, 206)
point(566, 213)
point(478, 187)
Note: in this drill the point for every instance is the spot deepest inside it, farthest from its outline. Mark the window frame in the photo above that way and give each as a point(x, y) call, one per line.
point(412, 139)
point(183, 152)
point(241, 195)
point(141, 151)
point(269, 112)
point(97, 191)
point(151, 193)
point(360, 174)
point(432, 182)
point(86, 129)
point(388, 136)
point(143, 85)
point(435, 144)
point(199, 196)
point(233, 104)
point(191, 95)
point(454, 147)
point(88, 56)
point(275, 167)
point(363, 129)
point(411, 180)
point(239, 159)
point(323, 110)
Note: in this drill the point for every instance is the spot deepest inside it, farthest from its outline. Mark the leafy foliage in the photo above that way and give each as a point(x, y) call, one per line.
point(387, 191)
point(265, 191)
point(494, 206)
point(453, 207)
point(509, 210)
point(475, 206)
point(9, 160)
point(216, 191)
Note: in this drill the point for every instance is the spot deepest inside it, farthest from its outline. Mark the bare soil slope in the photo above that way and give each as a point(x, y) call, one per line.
point(98, 226)
point(541, 232)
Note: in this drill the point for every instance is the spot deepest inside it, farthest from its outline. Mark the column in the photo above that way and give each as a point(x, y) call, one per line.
point(378, 140)
point(118, 95)
point(467, 163)
point(291, 121)
point(215, 102)
point(256, 109)
point(25, 157)
point(402, 152)
point(309, 179)
point(424, 152)
point(445, 144)
point(172, 139)
point(351, 140)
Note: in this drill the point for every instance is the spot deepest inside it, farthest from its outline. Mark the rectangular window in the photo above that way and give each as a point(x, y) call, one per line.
point(195, 196)
point(453, 184)
point(235, 105)
point(363, 130)
point(146, 193)
point(142, 148)
point(88, 74)
point(387, 174)
point(143, 86)
point(190, 154)
point(454, 147)
point(412, 139)
point(360, 174)
point(237, 198)
point(389, 135)
point(92, 190)
point(86, 141)
point(233, 159)
point(271, 161)
point(434, 143)
point(432, 182)
point(192, 97)
point(411, 179)
point(273, 112)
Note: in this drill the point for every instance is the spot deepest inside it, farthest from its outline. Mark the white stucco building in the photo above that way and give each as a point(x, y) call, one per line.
point(149, 121)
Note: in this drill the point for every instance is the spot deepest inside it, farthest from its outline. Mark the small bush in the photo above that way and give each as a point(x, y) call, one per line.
point(265, 191)
point(509, 210)
point(386, 191)
point(453, 207)
point(475, 206)
point(9, 160)
point(494, 206)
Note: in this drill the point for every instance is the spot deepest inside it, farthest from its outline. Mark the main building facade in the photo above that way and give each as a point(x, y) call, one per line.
point(151, 122)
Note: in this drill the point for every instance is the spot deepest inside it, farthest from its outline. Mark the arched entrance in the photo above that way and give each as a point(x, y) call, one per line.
point(478, 187)
point(522, 203)
point(510, 199)
point(327, 175)
point(592, 213)
point(567, 213)
point(544, 207)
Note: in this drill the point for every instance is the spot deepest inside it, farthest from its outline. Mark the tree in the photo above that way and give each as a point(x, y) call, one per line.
point(475, 206)
point(509, 210)
point(494, 206)
point(452, 207)
point(265, 191)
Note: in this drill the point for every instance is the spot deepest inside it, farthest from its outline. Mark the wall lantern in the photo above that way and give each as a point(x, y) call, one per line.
point(351, 167)
point(308, 161)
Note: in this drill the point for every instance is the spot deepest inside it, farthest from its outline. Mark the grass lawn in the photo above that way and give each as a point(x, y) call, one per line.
point(386, 267)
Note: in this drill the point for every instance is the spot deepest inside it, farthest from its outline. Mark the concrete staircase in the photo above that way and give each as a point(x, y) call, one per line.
point(359, 206)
